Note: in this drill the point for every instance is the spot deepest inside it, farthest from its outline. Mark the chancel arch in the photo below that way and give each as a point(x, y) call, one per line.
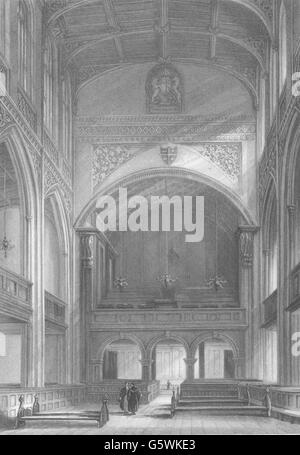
point(181, 173)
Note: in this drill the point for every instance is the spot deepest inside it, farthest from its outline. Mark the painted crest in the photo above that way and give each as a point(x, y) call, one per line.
point(164, 90)
point(168, 154)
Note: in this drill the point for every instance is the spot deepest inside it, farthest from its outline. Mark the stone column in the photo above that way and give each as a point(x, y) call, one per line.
point(246, 283)
point(190, 362)
point(291, 211)
point(96, 371)
point(146, 370)
point(86, 297)
point(266, 259)
point(239, 366)
point(291, 361)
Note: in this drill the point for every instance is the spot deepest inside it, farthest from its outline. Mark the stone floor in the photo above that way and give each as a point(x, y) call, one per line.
point(154, 419)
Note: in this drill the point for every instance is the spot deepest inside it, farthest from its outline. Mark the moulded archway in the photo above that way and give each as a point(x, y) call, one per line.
point(164, 172)
point(216, 355)
point(167, 355)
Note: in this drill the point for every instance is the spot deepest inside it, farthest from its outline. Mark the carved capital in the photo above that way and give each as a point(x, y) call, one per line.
point(86, 249)
point(190, 361)
point(246, 240)
point(291, 209)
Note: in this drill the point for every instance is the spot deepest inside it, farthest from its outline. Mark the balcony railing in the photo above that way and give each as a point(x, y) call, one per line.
point(55, 309)
point(15, 287)
point(270, 309)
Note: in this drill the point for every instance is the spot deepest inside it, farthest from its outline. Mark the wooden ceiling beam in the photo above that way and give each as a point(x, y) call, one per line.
point(165, 28)
point(112, 21)
point(213, 29)
point(247, 4)
point(179, 29)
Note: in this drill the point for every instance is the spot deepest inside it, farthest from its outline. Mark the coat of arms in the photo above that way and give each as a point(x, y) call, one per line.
point(164, 90)
point(168, 154)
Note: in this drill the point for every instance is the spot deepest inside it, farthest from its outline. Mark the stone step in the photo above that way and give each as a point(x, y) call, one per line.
point(45, 417)
point(223, 410)
point(209, 397)
point(222, 402)
point(208, 392)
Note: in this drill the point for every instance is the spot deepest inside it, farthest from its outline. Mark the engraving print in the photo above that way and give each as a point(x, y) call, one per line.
point(149, 219)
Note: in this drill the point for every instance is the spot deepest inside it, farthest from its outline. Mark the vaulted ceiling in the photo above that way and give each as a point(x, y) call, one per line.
point(99, 35)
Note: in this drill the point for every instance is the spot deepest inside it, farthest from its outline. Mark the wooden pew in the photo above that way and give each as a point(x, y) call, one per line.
point(33, 414)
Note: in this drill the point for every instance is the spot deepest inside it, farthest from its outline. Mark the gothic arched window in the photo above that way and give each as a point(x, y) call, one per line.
point(25, 41)
point(4, 28)
point(273, 84)
point(66, 117)
point(282, 47)
point(50, 80)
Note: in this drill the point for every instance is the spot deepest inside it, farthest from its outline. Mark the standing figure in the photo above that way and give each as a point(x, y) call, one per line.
point(168, 384)
point(123, 399)
point(134, 396)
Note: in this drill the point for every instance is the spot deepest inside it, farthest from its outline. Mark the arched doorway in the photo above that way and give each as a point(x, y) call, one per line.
point(215, 359)
point(168, 362)
point(122, 360)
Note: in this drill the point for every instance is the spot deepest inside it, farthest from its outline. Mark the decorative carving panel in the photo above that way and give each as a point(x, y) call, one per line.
point(5, 118)
point(226, 156)
point(50, 149)
point(107, 158)
point(52, 177)
point(27, 110)
point(246, 245)
point(266, 6)
point(173, 319)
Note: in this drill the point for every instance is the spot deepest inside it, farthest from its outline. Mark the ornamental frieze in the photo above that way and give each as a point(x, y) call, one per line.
point(186, 130)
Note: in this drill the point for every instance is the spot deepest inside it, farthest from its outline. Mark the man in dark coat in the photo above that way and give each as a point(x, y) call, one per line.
point(134, 396)
point(123, 398)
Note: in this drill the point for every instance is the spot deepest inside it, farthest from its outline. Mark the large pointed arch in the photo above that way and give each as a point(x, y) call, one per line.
point(164, 172)
point(28, 186)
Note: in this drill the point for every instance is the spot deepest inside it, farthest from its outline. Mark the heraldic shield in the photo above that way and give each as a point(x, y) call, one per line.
point(168, 154)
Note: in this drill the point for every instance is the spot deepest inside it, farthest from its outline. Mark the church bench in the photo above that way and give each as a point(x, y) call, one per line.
point(34, 415)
